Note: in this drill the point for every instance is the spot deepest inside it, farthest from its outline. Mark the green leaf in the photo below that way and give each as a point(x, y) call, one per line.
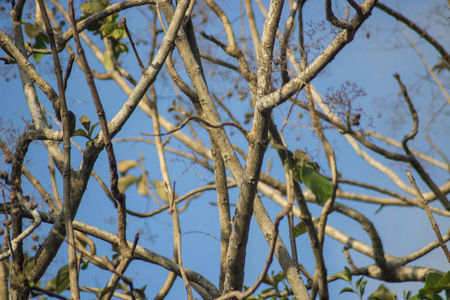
point(61, 281)
point(160, 188)
point(358, 282)
point(348, 273)
point(126, 165)
point(93, 127)
point(81, 132)
point(267, 290)
point(111, 18)
point(39, 44)
point(93, 7)
point(142, 188)
point(300, 228)
point(362, 287)
point(86, 122)
point(278, 277)
point(126, 181)
point(43, 37)
point(118, 48)
point(108, 29)
point(434, 284)
point(382, 292)
point(32, 30)
point(313, 165)
point(347, 290)
point(84, 265)
point(141, 292)
point(249, 115)
point(346, 276)
point(317, 183)
point(107, 62)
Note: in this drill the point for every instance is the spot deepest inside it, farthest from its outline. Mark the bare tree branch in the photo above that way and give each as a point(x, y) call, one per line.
point(434, 225)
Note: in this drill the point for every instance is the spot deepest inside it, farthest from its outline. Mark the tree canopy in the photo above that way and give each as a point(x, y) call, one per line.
point(224, 149)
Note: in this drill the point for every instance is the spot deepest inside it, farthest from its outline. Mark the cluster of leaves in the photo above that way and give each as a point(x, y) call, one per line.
point(359, 287)
point(88, 129)
point(128, 180)
point(273, 282)
point(434, 284)
point(107, 28)
point(38, 39)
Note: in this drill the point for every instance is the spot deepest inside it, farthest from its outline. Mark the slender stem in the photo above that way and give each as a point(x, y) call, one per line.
point(434, 225)
point(68, 122)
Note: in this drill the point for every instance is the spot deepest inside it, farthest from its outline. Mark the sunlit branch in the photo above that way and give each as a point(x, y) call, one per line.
point(223, 205)
point(335, 21)
point(68, 124)
point(305, 214)
point(430, 70)
point(83, 24)
point(273, 239)
point(414, 116)
point(438, 151)
point(140, 252)
point(280, 95)
point(391, 141)
point(296, 5)
point(434, 225)
point(414, 162)
point(421, 32)
point(25, 66)
point(33, 180)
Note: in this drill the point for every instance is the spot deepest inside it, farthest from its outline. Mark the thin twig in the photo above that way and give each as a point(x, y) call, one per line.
point(377, 245)
point(177, 239)
point(349, 258)
point(438, 151)
point(173, 210)
point(413, 160)
point(434, 225)
point(203, 122)
point(227, 111)
point(333, 20)
point(68, 70)
point(48, 293)
point(140, 252)
point(430, 70)
point(320, 273)
point(355, 7)
point(124, 22)
point(421, 32)
point(414, 116)
point(119, 196)
point(68, 122)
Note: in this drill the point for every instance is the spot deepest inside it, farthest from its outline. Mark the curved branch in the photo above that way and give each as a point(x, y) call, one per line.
point(277, 97)
point(421, 32)
point(140, 252)
point(414, 116)
point(203, 122)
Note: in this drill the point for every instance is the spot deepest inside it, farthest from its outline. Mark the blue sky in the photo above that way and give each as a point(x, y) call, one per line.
point(368, 62)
